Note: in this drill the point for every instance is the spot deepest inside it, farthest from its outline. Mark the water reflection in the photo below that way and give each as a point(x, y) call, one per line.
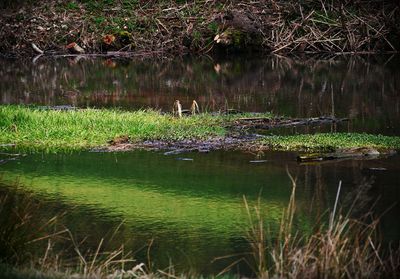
point(193, 209)
point(365, 89)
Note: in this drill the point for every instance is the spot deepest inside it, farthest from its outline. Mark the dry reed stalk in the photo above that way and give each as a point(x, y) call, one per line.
point(256, 237)
point(177, 109)
point(346, 248)
point(194, 108)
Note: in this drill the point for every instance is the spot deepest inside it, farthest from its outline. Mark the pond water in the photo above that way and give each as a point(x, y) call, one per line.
point(190, 206)
point(193, 209)
point(364, 89)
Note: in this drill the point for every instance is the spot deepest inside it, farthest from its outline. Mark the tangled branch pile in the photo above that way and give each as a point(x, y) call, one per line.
point(201, 26)
point(335, 27)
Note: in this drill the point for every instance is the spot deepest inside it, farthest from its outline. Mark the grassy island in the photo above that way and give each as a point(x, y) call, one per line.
point(34, 129)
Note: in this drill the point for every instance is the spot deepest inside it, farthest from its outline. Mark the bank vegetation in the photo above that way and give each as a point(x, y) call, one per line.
point(154, 28)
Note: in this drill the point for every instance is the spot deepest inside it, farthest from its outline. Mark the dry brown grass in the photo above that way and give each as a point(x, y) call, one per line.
point(344, 248)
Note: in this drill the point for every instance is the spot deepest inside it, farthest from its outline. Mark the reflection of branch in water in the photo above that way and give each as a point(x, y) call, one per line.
point(318, 199)
point(360, 198)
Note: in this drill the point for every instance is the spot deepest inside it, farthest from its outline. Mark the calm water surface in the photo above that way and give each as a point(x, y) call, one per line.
point(364, 89)
point(190, 206)
point(193, 210)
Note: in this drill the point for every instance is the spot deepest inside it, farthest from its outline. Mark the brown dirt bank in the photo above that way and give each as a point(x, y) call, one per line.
point(192, 145)
point(247, 143)
point(242, 136)
point(176, 27)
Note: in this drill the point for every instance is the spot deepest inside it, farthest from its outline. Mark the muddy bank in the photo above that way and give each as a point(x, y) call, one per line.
point(263, 123)
point(155, 28)
point(242, 137)
point(242, 142)
point(249, 143)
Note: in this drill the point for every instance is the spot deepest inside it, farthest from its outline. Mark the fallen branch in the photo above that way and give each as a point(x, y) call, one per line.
point(269, 123)
point(37, 49)
point(352, 153)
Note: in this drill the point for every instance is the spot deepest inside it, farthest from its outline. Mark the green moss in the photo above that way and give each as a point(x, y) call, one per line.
point(330, 142)
point(239, 39)
point(213, 27)
point(124, 37)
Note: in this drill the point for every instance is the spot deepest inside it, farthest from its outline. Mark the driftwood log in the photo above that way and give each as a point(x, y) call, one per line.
point(344, 154)
point(269, 123)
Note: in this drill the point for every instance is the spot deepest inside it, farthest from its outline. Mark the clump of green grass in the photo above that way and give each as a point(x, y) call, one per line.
point(330, 142)
point(48, 130)
point(31, 128)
